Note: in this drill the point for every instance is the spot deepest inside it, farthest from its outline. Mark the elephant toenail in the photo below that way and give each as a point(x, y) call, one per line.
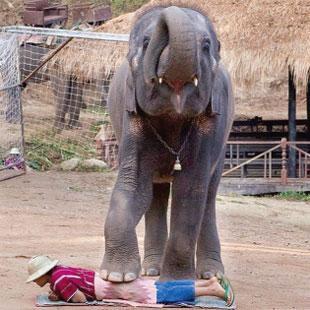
point(152, 272)
point(130, 276)
point(208, 275)
point(115, 277)
point(104, 274)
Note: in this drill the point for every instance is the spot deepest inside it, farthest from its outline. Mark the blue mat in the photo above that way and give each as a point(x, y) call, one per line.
point(200, 302)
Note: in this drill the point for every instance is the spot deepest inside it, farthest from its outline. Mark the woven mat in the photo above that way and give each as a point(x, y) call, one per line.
point(200, 302)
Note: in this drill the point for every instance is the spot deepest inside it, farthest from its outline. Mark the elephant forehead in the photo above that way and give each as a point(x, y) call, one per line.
point(198, 20)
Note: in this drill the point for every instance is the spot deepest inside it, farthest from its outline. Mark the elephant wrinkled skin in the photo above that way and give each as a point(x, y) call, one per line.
point(173, 90)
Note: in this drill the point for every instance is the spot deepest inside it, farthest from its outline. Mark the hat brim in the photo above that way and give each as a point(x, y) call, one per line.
point(42, 271)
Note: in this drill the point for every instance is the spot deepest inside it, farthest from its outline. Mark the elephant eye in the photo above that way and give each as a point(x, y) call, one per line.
point(146, 42)
point(206, 44)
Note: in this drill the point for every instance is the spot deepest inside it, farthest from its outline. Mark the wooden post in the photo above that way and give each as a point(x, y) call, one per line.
point(291, 123)
point(283, 161)
point(308, 103)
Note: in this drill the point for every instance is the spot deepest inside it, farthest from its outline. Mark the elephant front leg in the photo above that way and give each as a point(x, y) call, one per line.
point(186, 214)
point(209, 260)
point(61, 88)
point(76, 102)
point(130, 199)
point(156, 230)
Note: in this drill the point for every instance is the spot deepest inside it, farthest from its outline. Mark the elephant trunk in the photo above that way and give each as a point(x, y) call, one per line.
point(175, 36)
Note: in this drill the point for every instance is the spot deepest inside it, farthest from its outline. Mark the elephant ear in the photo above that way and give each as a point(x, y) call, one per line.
point(130, 94)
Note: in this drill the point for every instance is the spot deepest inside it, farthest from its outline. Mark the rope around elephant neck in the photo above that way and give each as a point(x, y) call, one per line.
point(177, 165)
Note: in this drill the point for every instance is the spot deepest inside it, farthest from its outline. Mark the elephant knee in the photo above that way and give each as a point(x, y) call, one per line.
point(118, 224)
point(181, 254)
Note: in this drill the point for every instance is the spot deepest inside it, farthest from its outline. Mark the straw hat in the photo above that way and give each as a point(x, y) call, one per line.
point(39, 266)
point(14, 151)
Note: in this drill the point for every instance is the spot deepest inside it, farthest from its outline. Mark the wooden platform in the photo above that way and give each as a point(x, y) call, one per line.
point(9, 174)
point(259, 186)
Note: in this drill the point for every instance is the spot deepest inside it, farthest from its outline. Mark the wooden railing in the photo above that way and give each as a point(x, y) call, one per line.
point(303, 160)
point(239, 160)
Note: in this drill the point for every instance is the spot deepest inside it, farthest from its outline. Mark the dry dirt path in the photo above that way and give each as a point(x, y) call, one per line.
point(265, 242)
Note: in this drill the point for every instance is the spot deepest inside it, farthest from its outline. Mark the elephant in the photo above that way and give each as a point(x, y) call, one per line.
point(69, 100)
point(171, 106)
point(69, 92)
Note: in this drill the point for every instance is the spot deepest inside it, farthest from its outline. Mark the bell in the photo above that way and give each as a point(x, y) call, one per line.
point(177, 165)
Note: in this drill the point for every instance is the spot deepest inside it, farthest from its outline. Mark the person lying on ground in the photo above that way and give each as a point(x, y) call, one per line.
point(78, 285)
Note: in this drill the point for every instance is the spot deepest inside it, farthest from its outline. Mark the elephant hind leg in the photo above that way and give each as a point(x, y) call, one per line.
point(76, 102)
point(156, 230)
point(61, 89)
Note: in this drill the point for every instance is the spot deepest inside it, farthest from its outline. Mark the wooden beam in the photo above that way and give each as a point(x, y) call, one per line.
point(308, 104)
point(291, 123)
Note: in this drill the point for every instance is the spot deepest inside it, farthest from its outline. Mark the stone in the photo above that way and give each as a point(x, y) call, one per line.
point(94, 163)
point(70, 164)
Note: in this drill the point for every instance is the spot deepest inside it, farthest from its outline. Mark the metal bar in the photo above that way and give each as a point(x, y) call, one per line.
point(66, 33)
point(298, 142)
point(255, 142)
point(265, 166)
point(238, 154)
point(9, 87)
point(299, 150)
point(306, 166)
point(299, 164)
point(230, 156)
point(251, 160)
point(275, 122)
point(270, 165)
point(57, 50)
point(22, 125)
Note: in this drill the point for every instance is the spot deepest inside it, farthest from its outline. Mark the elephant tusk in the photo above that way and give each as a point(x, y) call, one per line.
point(160, 80)
point(195, 81)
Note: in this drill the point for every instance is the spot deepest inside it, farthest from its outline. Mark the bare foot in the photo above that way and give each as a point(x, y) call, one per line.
point(209, 287)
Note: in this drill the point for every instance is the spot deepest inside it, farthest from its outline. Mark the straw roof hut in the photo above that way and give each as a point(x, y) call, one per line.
point(258, 38)
point(93, 59)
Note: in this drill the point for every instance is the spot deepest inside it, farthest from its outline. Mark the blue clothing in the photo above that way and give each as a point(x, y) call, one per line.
point(175, 291)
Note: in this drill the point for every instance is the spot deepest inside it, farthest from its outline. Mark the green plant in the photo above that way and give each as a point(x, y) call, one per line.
point(290, 195)
point(42, 154)
point(82, 168)
point(97, 109)
point(95, 127)
point(124, 6)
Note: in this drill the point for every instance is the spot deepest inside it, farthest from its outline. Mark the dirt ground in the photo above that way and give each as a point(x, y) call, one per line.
point(265, 242)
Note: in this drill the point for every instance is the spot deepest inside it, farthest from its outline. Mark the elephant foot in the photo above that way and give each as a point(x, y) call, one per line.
point(207, 268)
point(58, 126)
point(176, 276)
point(120, 272)
point(151, 266)
point(151, 272)
point(176, 272)
point(74, 125)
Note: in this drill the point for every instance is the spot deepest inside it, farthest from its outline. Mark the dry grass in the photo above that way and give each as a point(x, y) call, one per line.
point(93, 59)
point(259, 38)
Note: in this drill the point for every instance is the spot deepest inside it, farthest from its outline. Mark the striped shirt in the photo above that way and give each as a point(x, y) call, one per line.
point(65, 281)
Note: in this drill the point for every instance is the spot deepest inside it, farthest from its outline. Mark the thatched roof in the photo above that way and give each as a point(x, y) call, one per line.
point(266, 37)
point(87, 59)
point(258, 38)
